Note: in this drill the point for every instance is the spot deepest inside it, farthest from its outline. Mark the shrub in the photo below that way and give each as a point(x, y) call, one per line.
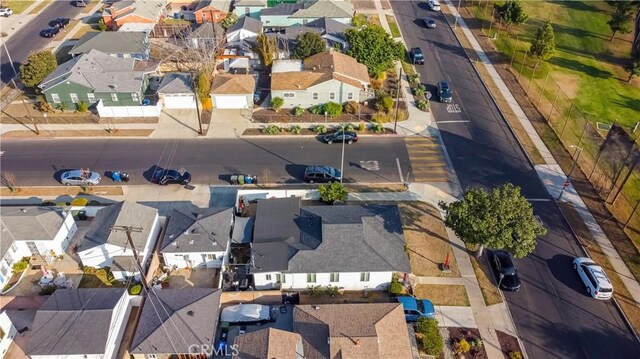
point(395, 288)
point(419, 92)
point(347, 127)
point(422, 105)
point(320, 129)
point(79, 202)
point(333, 192)
point(48, 289)
point(333, 109)
point(361, 127)
point(297, 111)
point(271, 130)
point(82, 106)
point(276, 103)
point(62, 106)
point(431, 340)
point(413, 78)
point(333, 290)
point(515, 355)
point(89, 270)
point(316, 109)
point(295, 129)
point(135, 289)
point(375, 84)
point(385, 103)
point(377, 128)
point(21, 265)
point(315, 289)
point(351, 107)
point(381, 76)
point(43, 106)
point(462, 347)
point(477, 343)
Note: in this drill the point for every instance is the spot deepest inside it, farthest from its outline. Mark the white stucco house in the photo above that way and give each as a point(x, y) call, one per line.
point(80, 323)
point(197, 237)
point(30, 231)
point(352, 247)
point(103, 246)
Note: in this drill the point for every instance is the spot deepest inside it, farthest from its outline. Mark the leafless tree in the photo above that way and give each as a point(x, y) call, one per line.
point(9, 180)
point(190, 53)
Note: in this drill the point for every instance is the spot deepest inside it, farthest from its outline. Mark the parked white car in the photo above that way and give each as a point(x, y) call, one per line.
point(594, 278)
point(5, 11)
point(433, 5)
point(80, 178)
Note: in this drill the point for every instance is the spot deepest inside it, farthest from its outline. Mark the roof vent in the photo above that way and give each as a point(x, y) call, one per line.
point(23, 210)
point(194, 231)
point(175, 244)
point(191, 241)
point(190, 313)
point(316, 307)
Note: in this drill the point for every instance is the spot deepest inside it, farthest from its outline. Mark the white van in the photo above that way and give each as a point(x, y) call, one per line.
point(434, 5)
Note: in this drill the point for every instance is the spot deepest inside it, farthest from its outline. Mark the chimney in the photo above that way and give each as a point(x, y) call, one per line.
point(358, 343)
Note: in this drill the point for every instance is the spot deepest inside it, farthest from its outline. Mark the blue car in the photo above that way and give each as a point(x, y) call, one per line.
point(415, 309)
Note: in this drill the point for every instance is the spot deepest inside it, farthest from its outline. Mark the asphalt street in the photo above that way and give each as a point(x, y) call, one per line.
point(553, 315)
point(283, 160)
point(28, 39)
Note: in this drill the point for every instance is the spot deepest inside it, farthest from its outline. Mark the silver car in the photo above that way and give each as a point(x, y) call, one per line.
point(80, 178)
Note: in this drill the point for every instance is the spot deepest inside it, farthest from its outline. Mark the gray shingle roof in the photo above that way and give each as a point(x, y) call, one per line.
point(74, 322)
point(329, 26)
point(121, 214)
point(281, 10)
point(326, 8)
point(98, 71)
point(176, 82)
point(250, 3)
point(148, 9)
point(207, 30)
point(324, 239)
point(242, 230)
point(269, 343)
point(247, 23)
point(197, 231)
point(112, 42)
point(189, 313)
point(28, 223)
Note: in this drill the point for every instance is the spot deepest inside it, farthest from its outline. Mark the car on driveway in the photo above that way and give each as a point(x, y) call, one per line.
point(340, 136)
point(429, 22)
point(50, 32)
point(444, 92)
point(60, 22)
point(5, 11)
point(416, 55)
point(433, 5)
point(414, 308)
point(504, 270)
point(80, 178)
point(594, 278)
point(321, 174)
point(164, 177)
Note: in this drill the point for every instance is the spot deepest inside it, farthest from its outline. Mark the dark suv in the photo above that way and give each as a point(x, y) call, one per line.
point(60, 22)
point(321, 174)
point(417, 58)
point(444, 92)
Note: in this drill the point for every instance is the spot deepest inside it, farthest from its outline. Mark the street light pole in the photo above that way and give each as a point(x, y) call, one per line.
point(573, 166)
point(398, 88)
point(342, 159)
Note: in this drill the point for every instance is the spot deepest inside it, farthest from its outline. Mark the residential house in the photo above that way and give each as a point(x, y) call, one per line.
point(36, 232)
point(133, 11)
point(176, 90)
point(327, 76)
point(303, 12)
point(233, 91)
point(98, 77)
point(246, 29)
point(329, 29)
point(352, 331)
point(181, 9)
point(106, 243)
point(197, 237)
point(212, 10)
point(114, 43)
point(80, 323)
point(7, 332)
point(268, 343)
point(355, 247)
point(177, 322)
point(208, 37)
point(249, 8)
point(137, 27)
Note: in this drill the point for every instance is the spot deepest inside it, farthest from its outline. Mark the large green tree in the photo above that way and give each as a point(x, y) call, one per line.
point(308, 44)
point(502, 219)
point(230, 20)
point(621, 18)
point(374, 47)
point(544, 44)
point(512, 13)
point(266, 48)
point(39, 65)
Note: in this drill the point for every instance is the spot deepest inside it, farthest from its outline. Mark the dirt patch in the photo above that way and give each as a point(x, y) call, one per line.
point(490, 291)
point(508, 343)
point(78, 133)
point(471, 335)
point(62, 191)
point(570, 83)
point(443, 294)
point(363, 5)
point(427, 241)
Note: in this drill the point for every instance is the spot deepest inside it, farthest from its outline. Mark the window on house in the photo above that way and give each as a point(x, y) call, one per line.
point(55, 98)
point(4, 270)
point(267, 276)
point(311, 277)
point(315, 96)
point(8, 259)
point(211, 256)
point(332, 96)
point(280, 278)
point(364, 277)
point(135, 97)
point(91, 97)
point(114, 97)
point(14, 247)
point(350, 96)
point(74, 97)
point(289, 94)
point(334, 277)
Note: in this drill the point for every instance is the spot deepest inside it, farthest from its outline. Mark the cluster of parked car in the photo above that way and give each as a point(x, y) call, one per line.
point(55, 26)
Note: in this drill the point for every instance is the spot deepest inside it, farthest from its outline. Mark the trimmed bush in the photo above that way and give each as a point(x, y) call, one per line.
point(418, 92)
point(295, 129)
point(320, 129)
point(271, 130)
point(377, 128)
point(395, 288)
point(20, 265)
point(462, 347)
point(276, 103)
point(79, 202)
point(385, 103)
point(333, 109)
point(413, 78)
point(347, 127)
point(316, 109)
point(431, 339)
point(362, 127)
point(333, 192)
point(297, 111)
point(135, 289)
point(351, 107)
point(422, 105)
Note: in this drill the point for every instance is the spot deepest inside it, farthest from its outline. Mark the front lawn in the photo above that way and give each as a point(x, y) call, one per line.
point(18, 6)
point(443, 294)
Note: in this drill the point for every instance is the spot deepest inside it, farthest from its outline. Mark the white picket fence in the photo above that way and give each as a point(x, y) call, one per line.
point(128, 111)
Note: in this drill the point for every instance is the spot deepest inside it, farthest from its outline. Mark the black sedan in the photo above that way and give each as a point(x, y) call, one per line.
point(165, 177)
point(504, 270)
point(339, 136)
point(50, 32)
point(60, 22)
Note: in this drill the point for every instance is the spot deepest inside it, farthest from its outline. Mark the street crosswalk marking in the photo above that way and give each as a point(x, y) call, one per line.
point(370, 165)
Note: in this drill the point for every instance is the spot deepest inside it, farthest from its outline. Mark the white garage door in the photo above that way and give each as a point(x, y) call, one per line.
point(179, 101)
point(233, 101)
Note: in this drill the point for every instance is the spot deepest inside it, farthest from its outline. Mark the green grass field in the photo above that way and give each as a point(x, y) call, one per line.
point(587, 65)
point(18, 6)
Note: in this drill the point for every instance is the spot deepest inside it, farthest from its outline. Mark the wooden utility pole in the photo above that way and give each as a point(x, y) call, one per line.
point(398, 88)
point(128, 230)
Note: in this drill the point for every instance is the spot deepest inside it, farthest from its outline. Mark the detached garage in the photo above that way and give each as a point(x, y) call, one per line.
point(176, 91)
point(233, 91)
